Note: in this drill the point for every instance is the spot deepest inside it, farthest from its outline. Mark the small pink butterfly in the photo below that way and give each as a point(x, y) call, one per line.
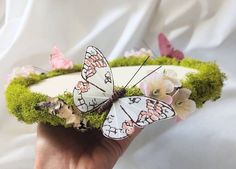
point(58, 61)
point(166, 49)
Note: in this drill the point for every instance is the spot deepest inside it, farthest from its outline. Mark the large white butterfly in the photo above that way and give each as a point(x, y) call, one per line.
point(96, 93)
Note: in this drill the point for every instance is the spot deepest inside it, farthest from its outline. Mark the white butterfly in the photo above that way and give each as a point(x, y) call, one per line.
point(96, 93)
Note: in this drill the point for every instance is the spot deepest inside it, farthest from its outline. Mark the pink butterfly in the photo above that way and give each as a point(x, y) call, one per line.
point(58, 61)
point(166, 49)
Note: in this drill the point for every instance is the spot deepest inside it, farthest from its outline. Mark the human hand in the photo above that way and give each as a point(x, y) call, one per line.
point(61, 148)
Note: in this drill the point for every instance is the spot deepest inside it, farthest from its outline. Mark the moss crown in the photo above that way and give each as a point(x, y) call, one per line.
point(205, 85)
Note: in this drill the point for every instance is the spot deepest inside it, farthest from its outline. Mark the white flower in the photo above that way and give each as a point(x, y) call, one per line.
point(156, 86)
point(182, 104)
point(23, 71)
point(140, 52)
point(172, 76)
point(163, 86)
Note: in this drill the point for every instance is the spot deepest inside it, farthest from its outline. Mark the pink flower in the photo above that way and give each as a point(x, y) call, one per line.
point(156, 86)
point(23, 71)
point(58, 60)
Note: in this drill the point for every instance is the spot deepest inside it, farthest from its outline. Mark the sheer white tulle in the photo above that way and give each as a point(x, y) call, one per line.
point(204, 29)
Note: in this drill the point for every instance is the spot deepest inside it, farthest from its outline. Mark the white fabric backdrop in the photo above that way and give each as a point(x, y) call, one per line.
point(204, 29)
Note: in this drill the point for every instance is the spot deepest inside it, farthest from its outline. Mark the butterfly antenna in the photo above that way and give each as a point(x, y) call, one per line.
point(137, 71)
point(147, 75)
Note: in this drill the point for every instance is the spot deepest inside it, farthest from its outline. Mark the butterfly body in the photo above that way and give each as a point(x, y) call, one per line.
point(107, 105)
point(96, 94)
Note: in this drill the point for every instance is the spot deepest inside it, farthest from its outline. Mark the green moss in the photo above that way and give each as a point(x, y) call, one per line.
point(205, 85)
point(21, 102)
point(135, 91)
point(95, 120)
point(76, 68)
point(67, 97)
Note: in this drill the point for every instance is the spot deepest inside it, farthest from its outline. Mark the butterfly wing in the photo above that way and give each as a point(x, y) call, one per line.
point(166, 49)
point(144, 110)
point(98, 85)
point(129, 112)
point(97, 71)
point(177, 54)
point(164, 45)
point(118, 125)
point(88, 97)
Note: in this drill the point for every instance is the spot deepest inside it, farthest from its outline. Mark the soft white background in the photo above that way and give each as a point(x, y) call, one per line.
point(204, 29)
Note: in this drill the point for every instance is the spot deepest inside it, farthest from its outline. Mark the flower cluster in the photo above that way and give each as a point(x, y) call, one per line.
point(58, 60)
point(140, 52)
point(23, 71)
point(165, 86)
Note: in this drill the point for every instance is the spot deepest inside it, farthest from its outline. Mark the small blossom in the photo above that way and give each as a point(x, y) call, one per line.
point(140, 52)
point(58, 60)
point(172, 76)
point(156, 86)
point(23, 71)
point(182, 104)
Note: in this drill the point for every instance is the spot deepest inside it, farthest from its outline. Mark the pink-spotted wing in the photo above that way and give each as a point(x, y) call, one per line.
point(129, 112)
point(98, 82)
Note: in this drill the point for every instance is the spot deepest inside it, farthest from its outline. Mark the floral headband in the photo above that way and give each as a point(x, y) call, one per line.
point(96, 102)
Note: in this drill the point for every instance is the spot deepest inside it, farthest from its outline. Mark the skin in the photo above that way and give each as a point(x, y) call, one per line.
point(61, 148)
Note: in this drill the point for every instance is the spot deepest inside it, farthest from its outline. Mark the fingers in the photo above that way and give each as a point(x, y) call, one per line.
point(64, 137)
